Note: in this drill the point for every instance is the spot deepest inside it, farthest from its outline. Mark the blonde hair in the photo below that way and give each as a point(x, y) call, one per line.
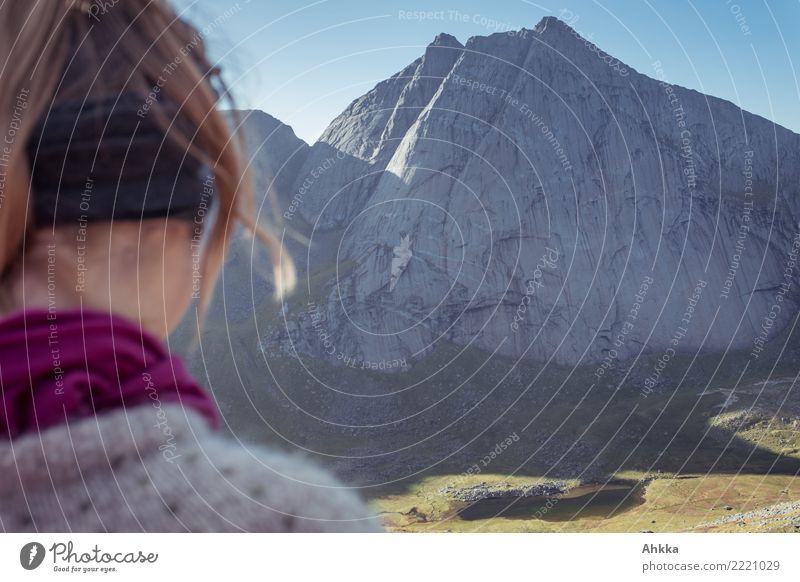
point(53, 50)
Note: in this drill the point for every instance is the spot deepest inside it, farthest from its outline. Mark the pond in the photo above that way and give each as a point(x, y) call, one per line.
point(586, 501)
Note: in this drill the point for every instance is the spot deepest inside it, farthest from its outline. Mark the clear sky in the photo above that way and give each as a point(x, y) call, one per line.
point(304, 61)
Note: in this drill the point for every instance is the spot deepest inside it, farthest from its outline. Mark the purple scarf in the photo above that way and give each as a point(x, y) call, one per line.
point(73, 364)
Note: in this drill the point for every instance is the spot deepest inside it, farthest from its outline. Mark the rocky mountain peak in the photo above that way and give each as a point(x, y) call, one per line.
point(264, 124)
point(446, 40)
point(541, 206)
point(274, 152)
point(440, 56)
point(553, 26)
point(570, 44)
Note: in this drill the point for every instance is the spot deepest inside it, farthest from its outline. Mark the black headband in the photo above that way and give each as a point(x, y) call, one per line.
point(106, 159)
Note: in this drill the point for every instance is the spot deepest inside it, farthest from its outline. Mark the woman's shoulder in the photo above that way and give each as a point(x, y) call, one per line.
point(161, 468)
point(288, 487)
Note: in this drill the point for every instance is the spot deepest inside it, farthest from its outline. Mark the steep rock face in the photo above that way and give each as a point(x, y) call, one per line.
point(557, 209)
point(359, 143)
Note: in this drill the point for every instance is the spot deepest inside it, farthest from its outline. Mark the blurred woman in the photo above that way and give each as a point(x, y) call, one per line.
point(117, 171)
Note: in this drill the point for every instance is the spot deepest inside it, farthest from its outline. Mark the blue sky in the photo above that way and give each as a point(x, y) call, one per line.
point(304, 61)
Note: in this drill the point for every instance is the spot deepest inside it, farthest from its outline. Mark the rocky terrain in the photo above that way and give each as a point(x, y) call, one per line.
point(558, 210)
point(511, 237)
point(483, 491)
point(773, 515)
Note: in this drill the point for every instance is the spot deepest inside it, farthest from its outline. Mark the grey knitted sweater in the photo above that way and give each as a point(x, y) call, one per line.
point(163, 470)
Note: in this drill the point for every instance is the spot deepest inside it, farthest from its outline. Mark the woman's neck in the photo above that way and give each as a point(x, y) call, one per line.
point(125, 269)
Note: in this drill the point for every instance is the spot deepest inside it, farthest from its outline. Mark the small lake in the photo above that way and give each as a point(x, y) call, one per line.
point(587, 501)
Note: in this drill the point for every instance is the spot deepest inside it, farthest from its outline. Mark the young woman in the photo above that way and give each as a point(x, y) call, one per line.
point(115, 169)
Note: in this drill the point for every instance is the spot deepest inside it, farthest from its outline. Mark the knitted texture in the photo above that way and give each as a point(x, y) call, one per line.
point(162, 470)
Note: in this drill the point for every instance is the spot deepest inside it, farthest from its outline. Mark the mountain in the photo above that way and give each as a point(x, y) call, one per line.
point(520, 237)
point(560, 207)
point(275, 154)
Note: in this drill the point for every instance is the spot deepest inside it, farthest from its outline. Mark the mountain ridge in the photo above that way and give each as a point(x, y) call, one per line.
point(438, 141)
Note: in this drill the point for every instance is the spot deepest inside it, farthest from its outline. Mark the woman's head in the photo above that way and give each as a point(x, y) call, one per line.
point(96, 58)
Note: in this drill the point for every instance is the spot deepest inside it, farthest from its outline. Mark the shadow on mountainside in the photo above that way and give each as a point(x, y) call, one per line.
point(457, 422)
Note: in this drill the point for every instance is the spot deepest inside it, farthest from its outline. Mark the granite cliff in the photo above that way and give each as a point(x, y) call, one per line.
point(559, 204)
